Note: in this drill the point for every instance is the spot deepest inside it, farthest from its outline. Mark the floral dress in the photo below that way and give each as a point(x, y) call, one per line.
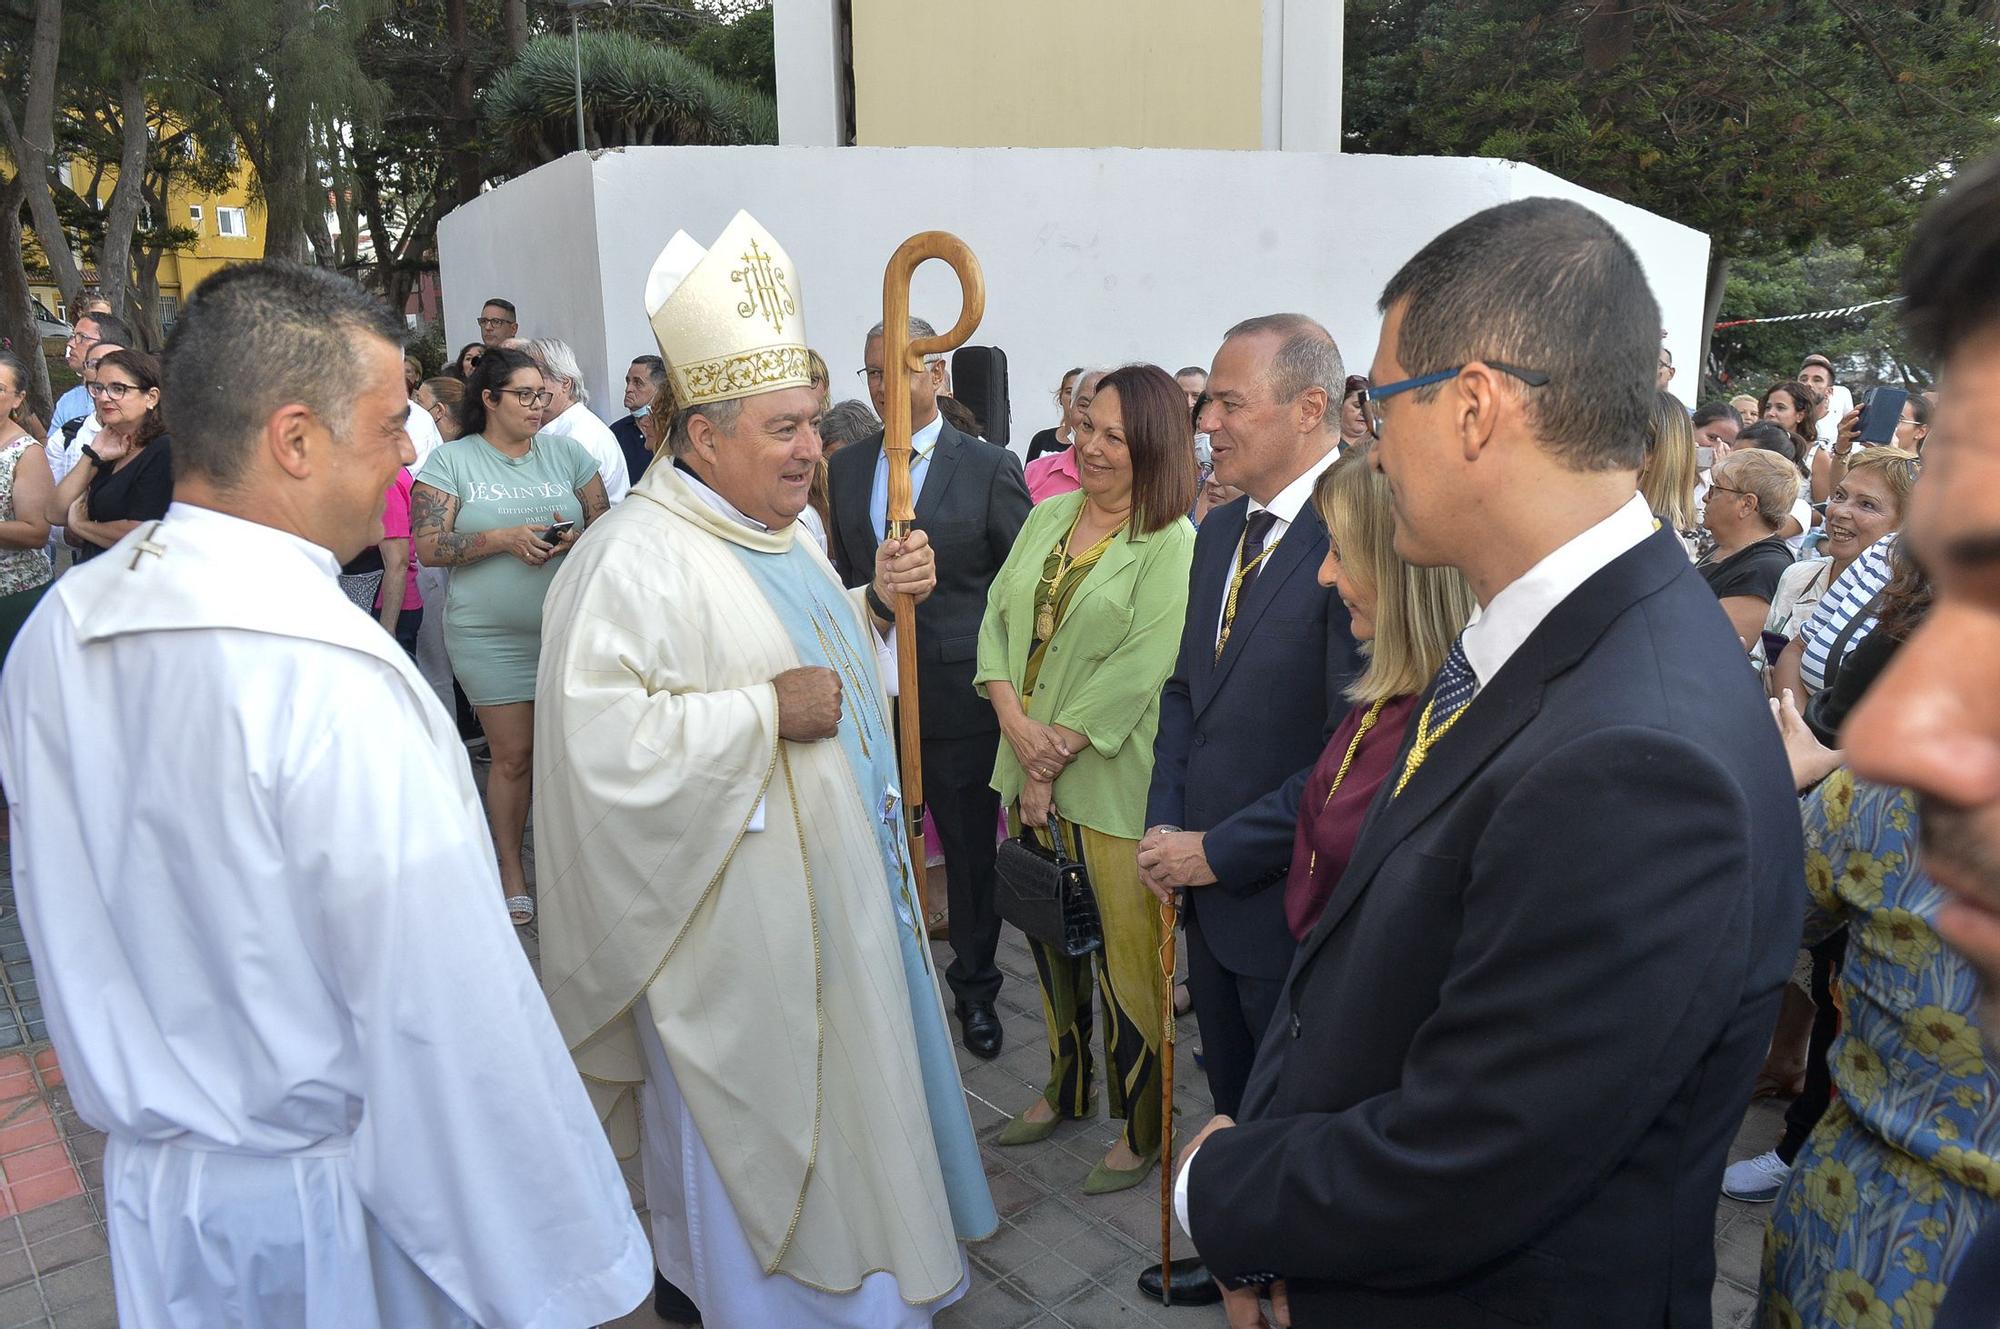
point(1900, 1172)
point(20, 569)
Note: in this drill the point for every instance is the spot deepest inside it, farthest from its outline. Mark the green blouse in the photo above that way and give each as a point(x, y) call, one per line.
point(1101, 672)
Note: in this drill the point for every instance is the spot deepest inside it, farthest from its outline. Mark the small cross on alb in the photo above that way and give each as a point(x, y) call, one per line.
point(146, 546)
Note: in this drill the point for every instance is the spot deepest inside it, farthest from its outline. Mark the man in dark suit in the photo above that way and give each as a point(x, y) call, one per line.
point(1265, 655)
point(972, 501)
point(643, 381)
point(1932, 721)
point(1513, 1052)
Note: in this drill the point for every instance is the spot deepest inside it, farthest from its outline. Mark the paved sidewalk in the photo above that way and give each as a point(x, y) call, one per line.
point(1059, 1259)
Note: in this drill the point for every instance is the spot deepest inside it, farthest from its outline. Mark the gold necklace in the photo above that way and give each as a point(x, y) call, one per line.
point(1426, 736)
point(1045, 585)
point(1236, 588)
point(1367, 723)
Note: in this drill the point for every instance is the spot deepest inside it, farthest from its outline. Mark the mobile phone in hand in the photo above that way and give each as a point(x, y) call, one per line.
point(1881, 412)
point(555, 533)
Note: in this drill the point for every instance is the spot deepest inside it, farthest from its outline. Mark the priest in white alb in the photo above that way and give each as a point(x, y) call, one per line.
point(261, 896)
point(731, 935)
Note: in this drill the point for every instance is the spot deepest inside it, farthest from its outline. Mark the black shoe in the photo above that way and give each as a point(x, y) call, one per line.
point(981, 1029)
point(1192, 1285)
point(672, 1305)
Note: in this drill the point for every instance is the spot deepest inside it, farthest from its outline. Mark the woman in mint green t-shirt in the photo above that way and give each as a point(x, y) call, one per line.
point(482, 507)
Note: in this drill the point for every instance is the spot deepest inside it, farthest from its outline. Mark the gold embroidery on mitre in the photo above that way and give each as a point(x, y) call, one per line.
point(768, 294)
point(729, 319)
point(741, 375)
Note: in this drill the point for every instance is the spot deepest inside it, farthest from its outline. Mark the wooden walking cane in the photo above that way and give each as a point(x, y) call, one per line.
point(902, 357)
point(1169, 916)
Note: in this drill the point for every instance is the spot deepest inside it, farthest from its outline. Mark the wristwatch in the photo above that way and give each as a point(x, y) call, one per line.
point(91, 453)
point(882, 611)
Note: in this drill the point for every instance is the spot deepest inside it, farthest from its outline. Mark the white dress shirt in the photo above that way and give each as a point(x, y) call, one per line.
point(1284, 510)
point(578, 423)
point(1499, 628)
point(1511, 617)
point(923, 442)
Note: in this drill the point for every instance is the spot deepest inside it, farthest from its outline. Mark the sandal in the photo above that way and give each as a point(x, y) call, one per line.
point(521, 908)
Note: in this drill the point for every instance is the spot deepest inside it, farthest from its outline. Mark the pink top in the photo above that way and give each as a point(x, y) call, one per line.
point(396, 526)
point(1052, 474)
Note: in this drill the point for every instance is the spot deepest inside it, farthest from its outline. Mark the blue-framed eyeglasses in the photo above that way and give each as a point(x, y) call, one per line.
point(1371, 398)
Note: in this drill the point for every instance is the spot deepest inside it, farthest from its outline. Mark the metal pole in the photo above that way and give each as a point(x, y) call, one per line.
point(576, 50)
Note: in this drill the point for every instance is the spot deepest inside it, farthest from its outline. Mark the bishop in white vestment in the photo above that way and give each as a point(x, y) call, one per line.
point(731, 934)
point(262, 904)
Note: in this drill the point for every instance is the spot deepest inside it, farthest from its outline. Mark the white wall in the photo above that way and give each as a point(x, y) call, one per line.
point(1090, 255)
point(1304, 43)
point(811, 65)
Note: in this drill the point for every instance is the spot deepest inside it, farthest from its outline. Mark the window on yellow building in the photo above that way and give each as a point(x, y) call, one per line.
point(194, 215)
point(230, 222)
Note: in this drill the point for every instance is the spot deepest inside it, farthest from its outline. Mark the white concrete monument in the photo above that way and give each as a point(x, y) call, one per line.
point(1092, 256)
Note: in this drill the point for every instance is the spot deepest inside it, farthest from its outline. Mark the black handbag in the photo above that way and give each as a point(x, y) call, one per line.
point(1046, 893)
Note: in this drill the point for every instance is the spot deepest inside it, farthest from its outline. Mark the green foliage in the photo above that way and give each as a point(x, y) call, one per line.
point(1868, 346)
point(428, 346)
point(744, 51)
point(1766, 123)
point(634, 92)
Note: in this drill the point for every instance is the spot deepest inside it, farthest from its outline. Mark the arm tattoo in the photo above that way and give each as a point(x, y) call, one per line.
point(595, 504)
point(432, 514)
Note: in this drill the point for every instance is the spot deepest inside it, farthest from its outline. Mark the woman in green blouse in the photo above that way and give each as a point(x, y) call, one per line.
point(1082, 626)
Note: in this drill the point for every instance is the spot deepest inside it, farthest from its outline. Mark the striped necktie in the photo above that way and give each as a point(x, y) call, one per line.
point(1453, 691)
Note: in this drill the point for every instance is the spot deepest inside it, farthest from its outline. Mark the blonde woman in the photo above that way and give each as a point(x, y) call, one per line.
point(1867, 506)
point(1667, 477)
point(1750, 496)
point(1406, 619)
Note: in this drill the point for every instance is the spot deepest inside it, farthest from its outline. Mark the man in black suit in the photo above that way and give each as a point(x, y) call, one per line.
point(643, 381)
point(1265, 655)
point(1513, 1052)
point(972, 500)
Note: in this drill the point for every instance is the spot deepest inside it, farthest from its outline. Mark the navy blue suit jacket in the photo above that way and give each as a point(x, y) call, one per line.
point(1238, 736)
point(1512, 1054)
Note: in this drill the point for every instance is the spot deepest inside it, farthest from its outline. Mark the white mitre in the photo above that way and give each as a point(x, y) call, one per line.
point(727, 318)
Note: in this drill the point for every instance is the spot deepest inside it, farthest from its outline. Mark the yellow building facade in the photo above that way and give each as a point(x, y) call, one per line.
point(1059, 73)
point(1214, 74)
point(228, 225)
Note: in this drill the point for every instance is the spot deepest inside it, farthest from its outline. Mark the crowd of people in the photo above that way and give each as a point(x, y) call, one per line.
point(1536, 769)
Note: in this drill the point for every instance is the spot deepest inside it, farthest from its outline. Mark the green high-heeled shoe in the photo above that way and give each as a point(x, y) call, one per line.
point(1109, 1181)
point(1021, 1130)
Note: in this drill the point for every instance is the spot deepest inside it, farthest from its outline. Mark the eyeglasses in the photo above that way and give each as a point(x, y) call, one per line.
point(83, 339)
point(875, 375)
point(1372, 398)
point(494, 322)
point(529, 396)
point(115, 391)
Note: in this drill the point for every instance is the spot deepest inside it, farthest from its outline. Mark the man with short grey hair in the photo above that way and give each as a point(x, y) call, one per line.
point(846, 422)
point(1266, 654)
point(971, 498)
point(332, 1090)
point(644, 378)
point(569, 414)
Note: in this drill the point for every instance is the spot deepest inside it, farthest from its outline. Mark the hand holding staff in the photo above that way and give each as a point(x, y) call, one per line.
point(902, 357)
